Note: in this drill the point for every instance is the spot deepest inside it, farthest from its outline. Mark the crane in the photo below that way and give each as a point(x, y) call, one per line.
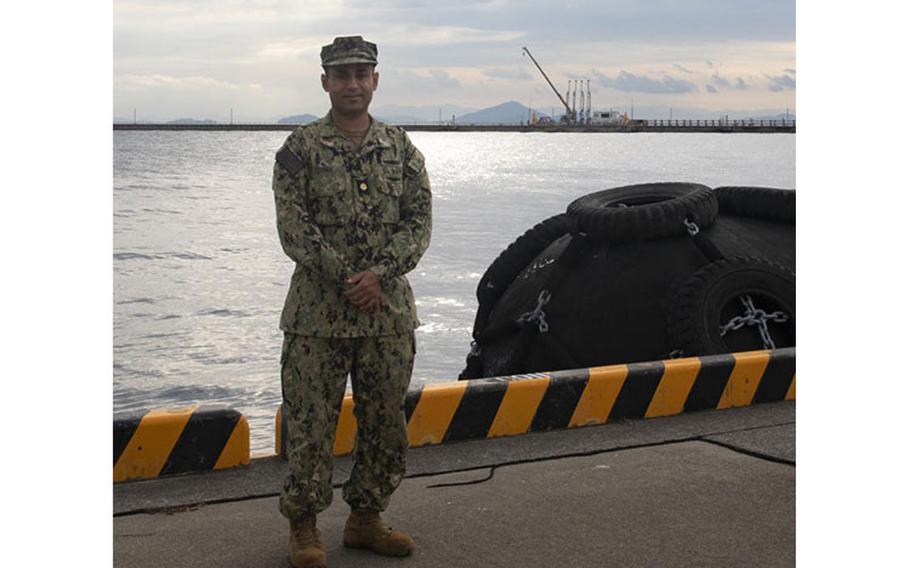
point(570, 115)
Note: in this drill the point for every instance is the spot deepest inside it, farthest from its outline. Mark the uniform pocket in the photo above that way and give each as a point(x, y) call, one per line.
point(389, 193)
point(392, 169)
point(330, 202)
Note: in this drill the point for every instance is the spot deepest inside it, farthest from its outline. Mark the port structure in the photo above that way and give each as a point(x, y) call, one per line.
point(570, 117)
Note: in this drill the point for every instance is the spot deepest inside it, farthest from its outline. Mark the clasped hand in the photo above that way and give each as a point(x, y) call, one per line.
point(364, 291)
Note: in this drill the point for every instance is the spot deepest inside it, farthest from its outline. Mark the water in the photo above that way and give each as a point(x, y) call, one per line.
point(200, 278)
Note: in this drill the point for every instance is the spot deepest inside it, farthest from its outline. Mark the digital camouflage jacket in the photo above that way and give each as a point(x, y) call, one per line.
point(341, 211)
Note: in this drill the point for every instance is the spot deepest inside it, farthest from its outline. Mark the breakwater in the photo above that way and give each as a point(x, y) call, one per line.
point(711, 126)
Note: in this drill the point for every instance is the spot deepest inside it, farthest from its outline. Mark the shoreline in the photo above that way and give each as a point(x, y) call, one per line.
point(661, 126)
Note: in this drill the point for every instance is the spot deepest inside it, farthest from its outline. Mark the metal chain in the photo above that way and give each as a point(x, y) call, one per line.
point(537, 315)
point(756, 317)
point(691, 227)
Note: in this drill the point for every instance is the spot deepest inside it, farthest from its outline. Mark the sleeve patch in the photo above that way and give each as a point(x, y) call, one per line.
point(289, 160)
point(415, 164)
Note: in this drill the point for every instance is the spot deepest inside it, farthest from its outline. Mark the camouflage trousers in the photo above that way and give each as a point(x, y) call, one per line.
point(314, 374)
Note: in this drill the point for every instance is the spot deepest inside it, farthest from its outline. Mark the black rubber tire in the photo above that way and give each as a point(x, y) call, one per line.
point(503, 270)
point(643, 211)
point(473, 367)
point(766, 203)
point(517, 255)
point(710, 298)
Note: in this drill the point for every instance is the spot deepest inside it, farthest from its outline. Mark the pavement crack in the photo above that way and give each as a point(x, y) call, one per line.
point(174, 509)
point(194, 506)
point(620, 448)
point(460, 483)
point(750, 428)
point(750, 453)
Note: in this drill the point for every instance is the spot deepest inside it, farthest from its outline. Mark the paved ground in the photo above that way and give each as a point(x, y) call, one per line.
point(705, 489)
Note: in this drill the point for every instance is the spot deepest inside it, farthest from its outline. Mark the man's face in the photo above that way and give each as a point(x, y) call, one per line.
point(350, 87)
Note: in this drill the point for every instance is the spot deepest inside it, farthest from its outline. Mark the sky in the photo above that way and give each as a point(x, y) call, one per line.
point(202, 58)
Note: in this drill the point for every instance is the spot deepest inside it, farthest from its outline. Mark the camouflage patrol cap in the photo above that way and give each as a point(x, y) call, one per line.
point(347, 50)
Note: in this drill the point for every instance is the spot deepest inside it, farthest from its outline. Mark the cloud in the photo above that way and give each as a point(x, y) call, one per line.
point(507, 73)
point(173, 15)
point(399, 37)
point(782, 83)
point(710, 88)
point(443, 79)
point(424, 81)
point(289, 48)
point(719, 82)
point(790, 71)
point(683, 69)
point(587, 20)
point(629, 82)
point(406, 5)
point(192, 82)
point(409, 35)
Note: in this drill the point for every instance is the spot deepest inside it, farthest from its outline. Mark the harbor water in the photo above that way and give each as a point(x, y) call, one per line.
point(200, 277)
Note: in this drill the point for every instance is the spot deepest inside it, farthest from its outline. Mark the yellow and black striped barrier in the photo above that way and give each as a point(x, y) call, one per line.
point(166, 441)
point(507, 406)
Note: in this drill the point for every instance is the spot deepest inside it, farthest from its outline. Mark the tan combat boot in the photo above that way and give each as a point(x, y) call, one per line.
point(365, 529)
point(306, 547)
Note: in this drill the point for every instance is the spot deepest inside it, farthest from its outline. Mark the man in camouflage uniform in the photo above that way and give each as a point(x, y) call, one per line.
point(353, 209)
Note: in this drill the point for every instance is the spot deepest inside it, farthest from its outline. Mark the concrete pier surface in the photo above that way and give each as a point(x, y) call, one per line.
point(713, 488)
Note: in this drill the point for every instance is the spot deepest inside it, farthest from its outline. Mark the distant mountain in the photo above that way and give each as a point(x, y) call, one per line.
point(193, 121)
point(400, 119)
point(298, 119)
point(511, 112)
point(426, 114)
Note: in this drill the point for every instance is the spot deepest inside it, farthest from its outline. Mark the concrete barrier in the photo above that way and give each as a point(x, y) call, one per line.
point(167, 441)
point(507, 406)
